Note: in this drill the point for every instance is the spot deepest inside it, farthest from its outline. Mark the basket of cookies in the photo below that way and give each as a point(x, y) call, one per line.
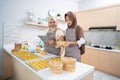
point(55, 66)
point(69, 64)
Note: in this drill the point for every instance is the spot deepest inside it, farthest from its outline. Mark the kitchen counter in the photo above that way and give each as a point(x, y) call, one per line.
point(112, 50)
point(21, 71)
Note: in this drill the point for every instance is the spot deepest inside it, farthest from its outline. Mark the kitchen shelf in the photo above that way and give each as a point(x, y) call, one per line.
point(36, 24)
point(60, 20)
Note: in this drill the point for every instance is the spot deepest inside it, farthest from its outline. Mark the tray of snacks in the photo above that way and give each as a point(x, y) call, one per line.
point(25, 55)
point(38, 64)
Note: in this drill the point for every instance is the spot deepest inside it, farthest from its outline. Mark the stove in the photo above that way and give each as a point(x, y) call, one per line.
point(105, 47)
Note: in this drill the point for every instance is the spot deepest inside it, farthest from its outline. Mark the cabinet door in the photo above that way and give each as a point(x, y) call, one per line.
point(109, 16)
point(104, 61)
point(88, 19)
point(115, 64)
point(84, 57)
point(83, 20)
point(95, 18)
point(118, 18)
point(99, 17)
point(7, 66)
point(90, 57)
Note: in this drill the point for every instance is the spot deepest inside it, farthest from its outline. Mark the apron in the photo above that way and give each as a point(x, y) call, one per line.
point(72, 50)
point(51, 48)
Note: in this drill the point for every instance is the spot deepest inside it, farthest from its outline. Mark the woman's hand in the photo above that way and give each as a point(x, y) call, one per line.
point(51, 41)
point(70, 43)
point(67, 44)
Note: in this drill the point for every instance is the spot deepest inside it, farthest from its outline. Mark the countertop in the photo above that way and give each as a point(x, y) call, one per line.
point(112, 50)
point(82, 70)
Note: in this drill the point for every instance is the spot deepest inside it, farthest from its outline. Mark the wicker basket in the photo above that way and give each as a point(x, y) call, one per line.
point(56, 66)
point(69, 64)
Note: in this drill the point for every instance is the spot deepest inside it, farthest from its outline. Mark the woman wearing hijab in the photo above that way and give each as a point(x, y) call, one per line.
point(74, 37)
point(52, 36)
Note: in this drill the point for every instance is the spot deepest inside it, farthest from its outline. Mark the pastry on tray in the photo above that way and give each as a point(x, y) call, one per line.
point(25, 55)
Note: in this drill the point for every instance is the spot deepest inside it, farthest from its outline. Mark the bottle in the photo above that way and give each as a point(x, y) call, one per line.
point(24, 45)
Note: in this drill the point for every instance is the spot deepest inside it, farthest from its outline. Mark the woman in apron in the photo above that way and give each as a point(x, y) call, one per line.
point(51, 37)
point(72, 44)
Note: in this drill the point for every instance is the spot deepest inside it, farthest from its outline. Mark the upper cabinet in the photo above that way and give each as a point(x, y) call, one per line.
point(118, 18)
point(107, 16)
point(87, 19)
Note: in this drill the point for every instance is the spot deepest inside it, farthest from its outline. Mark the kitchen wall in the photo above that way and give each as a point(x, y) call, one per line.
point(103, 38)
point(23, 33)
point(1, 42)
point(16, 11)
point(89, 4)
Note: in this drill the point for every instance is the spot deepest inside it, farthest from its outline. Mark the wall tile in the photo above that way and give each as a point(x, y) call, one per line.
point(109, 38)
point(23, 33)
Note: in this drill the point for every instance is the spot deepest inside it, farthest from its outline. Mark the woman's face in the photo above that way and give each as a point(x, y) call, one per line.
point(68, 21)
point(52, 23)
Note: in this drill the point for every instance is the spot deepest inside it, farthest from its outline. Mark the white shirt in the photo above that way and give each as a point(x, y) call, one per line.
point(81, 41)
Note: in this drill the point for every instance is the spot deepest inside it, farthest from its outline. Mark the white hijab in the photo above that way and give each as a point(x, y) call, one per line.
point(49, 19)
point(59, 31)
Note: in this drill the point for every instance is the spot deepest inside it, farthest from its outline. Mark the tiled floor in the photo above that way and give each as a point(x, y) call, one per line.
point(99, 76)
point(103, 76)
